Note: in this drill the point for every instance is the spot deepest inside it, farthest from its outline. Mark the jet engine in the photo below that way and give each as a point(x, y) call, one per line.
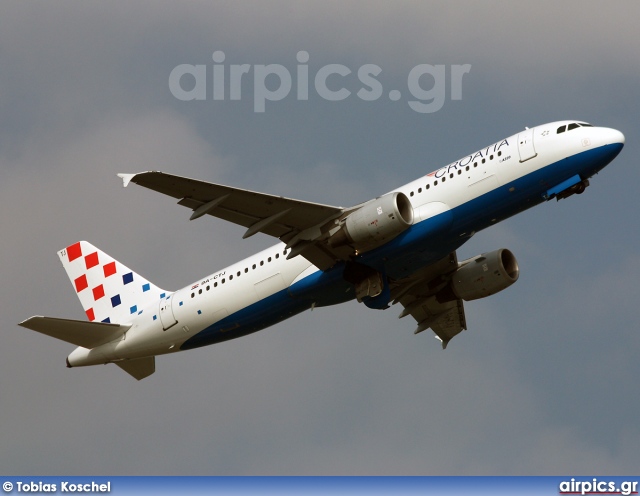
point(374, 223)
point(481, 276)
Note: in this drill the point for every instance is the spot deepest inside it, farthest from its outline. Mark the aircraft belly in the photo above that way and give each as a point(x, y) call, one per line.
point(253, 318)
point(323, 288)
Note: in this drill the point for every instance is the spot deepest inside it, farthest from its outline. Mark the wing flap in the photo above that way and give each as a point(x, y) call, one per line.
point(450, 323)
point(78, 332)
point(417, 294)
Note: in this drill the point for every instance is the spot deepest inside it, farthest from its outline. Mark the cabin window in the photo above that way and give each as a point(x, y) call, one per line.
point(428, 186)
point(435, 183)
point(223, 280)
point(483, 160)
point(208, 288)
point(200, 291)
point(261, 263)
point(231, 277)
point(192, 295)
point(277, 255)
point(215, 284)
point(254, 267)
point(419, 190)
point(238, 274)
point(246, 269)
point(491, 157)
point(460, 172)
point(499, 153)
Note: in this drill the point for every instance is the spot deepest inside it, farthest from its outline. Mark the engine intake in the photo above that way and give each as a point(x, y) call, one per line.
point(376, 222)
point(481, 276)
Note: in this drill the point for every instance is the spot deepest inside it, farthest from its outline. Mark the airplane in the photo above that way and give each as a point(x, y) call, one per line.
point(397, 248)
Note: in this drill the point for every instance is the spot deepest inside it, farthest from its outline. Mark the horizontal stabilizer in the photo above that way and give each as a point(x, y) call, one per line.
point(78, 332)
point(139, 368)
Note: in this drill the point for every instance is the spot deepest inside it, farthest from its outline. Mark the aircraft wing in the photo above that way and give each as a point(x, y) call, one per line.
point(298, 223)
point(417, 295)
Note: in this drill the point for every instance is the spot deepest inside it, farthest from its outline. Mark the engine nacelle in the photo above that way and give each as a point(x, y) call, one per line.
point(376, 222)
point(482, 276)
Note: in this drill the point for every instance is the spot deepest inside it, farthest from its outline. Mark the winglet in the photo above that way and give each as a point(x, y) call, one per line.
point(444, 342)
point(126, 178)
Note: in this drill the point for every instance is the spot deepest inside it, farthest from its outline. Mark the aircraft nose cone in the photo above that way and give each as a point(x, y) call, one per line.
point(619, 137)
point(612, 136)
point(613, 142)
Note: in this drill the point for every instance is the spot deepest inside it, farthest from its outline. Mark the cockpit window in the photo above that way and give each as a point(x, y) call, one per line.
point(573, 125)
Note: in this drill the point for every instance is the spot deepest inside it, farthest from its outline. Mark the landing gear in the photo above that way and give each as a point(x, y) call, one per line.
point(371, 286)
point(576, 189)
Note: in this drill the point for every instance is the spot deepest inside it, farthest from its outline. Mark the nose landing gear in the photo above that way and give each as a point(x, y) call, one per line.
point(576, 189)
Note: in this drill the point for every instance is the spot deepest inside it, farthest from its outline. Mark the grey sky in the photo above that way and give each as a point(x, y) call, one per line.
point(544, 381)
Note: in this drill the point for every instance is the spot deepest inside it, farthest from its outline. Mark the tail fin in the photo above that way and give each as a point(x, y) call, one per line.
point(108, 291)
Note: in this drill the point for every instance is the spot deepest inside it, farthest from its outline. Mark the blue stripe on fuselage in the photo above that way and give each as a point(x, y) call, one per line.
point(423, 243)
point(319, 288)
point(264, 313)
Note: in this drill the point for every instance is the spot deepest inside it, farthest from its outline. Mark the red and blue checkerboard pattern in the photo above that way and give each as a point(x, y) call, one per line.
point(108, 290)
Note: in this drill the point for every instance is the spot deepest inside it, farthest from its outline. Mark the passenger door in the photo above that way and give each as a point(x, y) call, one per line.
point(166, 313)
point(525, 145)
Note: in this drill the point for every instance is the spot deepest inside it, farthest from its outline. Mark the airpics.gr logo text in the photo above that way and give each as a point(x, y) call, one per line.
point(595, 486)
point(426, 83)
